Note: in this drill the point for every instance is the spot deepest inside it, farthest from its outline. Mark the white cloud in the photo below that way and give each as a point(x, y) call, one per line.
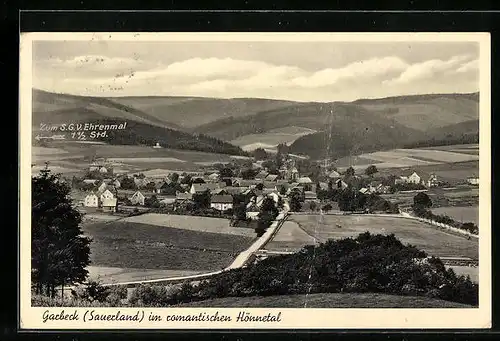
point(473, 65)
point(363, 69)
point(227, 77)
point(428, 69)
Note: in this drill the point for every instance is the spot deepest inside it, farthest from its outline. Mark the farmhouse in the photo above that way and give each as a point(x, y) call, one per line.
point(91, 200)
point(200, 188)
point(334, 175)
point(102, 187)
point(108, 205)
point(221, 202)
point(213, 177)
point(413, 178)
point(432, 181)
point(116, 183)
point(106, 195)
point(137, 198)
point(252, 211)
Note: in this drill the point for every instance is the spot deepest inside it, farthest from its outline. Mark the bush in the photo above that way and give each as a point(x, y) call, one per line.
point(368, 263)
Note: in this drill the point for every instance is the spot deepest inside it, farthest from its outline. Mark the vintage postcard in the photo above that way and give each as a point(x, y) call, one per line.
point(255, 181)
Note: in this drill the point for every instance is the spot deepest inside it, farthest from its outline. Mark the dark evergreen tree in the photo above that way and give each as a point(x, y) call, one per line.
point(60, 253)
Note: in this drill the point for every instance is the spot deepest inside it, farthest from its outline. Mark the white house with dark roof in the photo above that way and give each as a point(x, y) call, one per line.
point(137, 198)
point(106, 195)
point(91, 200)
point(473, 180)
point(221, 202)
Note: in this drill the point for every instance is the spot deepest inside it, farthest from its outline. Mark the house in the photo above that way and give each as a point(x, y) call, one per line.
point(157, 145)
point(167, 199)
point(106, 195)
point(90, 181)
point(341, 184)
point(432, 181)
point(473, 180)
point(261, 175)
point(213, 177)
point(252, 211)
point(305, 180)
point(414, 178)
point(140, 182)
point(271, 177)
point(334, 175)
point(179, 196)
point(102, 187)
point(310, 196)
point(103, 169)
point(293, 174)
point(137, 198)
point(323, 186)
point(273, 195)
point(116, 183)
point(159, 186)
point(91, 200)
point(221, 202)
point(200, 188)
point(365, 190)
point(108, 205)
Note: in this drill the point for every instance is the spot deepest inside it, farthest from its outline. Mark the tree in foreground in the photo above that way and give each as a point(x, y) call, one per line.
point(59, 251)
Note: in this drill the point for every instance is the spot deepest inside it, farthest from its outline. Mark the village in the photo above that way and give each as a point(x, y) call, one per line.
point(223, 191)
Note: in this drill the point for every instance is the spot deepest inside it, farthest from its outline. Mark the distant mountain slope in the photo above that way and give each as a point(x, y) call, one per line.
point(189, 112)
point(58, 108)
point(424, 112)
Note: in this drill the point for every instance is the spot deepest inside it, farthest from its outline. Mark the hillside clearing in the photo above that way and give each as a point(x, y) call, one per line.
point(327, 300)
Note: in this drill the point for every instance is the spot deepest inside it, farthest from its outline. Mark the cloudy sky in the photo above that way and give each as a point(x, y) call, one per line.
point(301, 71)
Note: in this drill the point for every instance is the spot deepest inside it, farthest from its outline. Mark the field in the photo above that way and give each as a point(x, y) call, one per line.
point(73, 158)
point(336, 300)
point(270, 139)
point(121, 247)
point(414, 158)
point(462, 214)
point(191, 223)
point(423, 236)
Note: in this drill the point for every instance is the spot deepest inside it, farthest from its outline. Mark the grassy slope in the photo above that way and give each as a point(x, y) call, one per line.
point(348, 300)
point(134, 245)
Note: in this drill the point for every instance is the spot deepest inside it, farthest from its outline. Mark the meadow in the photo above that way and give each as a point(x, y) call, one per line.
point(432, 157)
point(191, 223)
point(121, 247)
point(462, 214)
point(423, 236)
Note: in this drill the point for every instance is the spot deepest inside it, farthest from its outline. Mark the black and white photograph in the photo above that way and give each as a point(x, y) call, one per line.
point(247, 180)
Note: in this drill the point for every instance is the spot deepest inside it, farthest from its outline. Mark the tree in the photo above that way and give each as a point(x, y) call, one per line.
point(260, 154)
point(313, 206)
point(226, 173)
point(128, 183)
point(60, 253)
point(198, 181)
point(295, 202)
point(327, 208)
point(421, 202)
point(202, 200)
point(152, 202)
point(282, 190)
point(370, 170)
point(350, 171)
point(151, 186)
point(259, 186)
point(187, 180)
point(174, 177)
point(248, 174)
point(239, 212)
